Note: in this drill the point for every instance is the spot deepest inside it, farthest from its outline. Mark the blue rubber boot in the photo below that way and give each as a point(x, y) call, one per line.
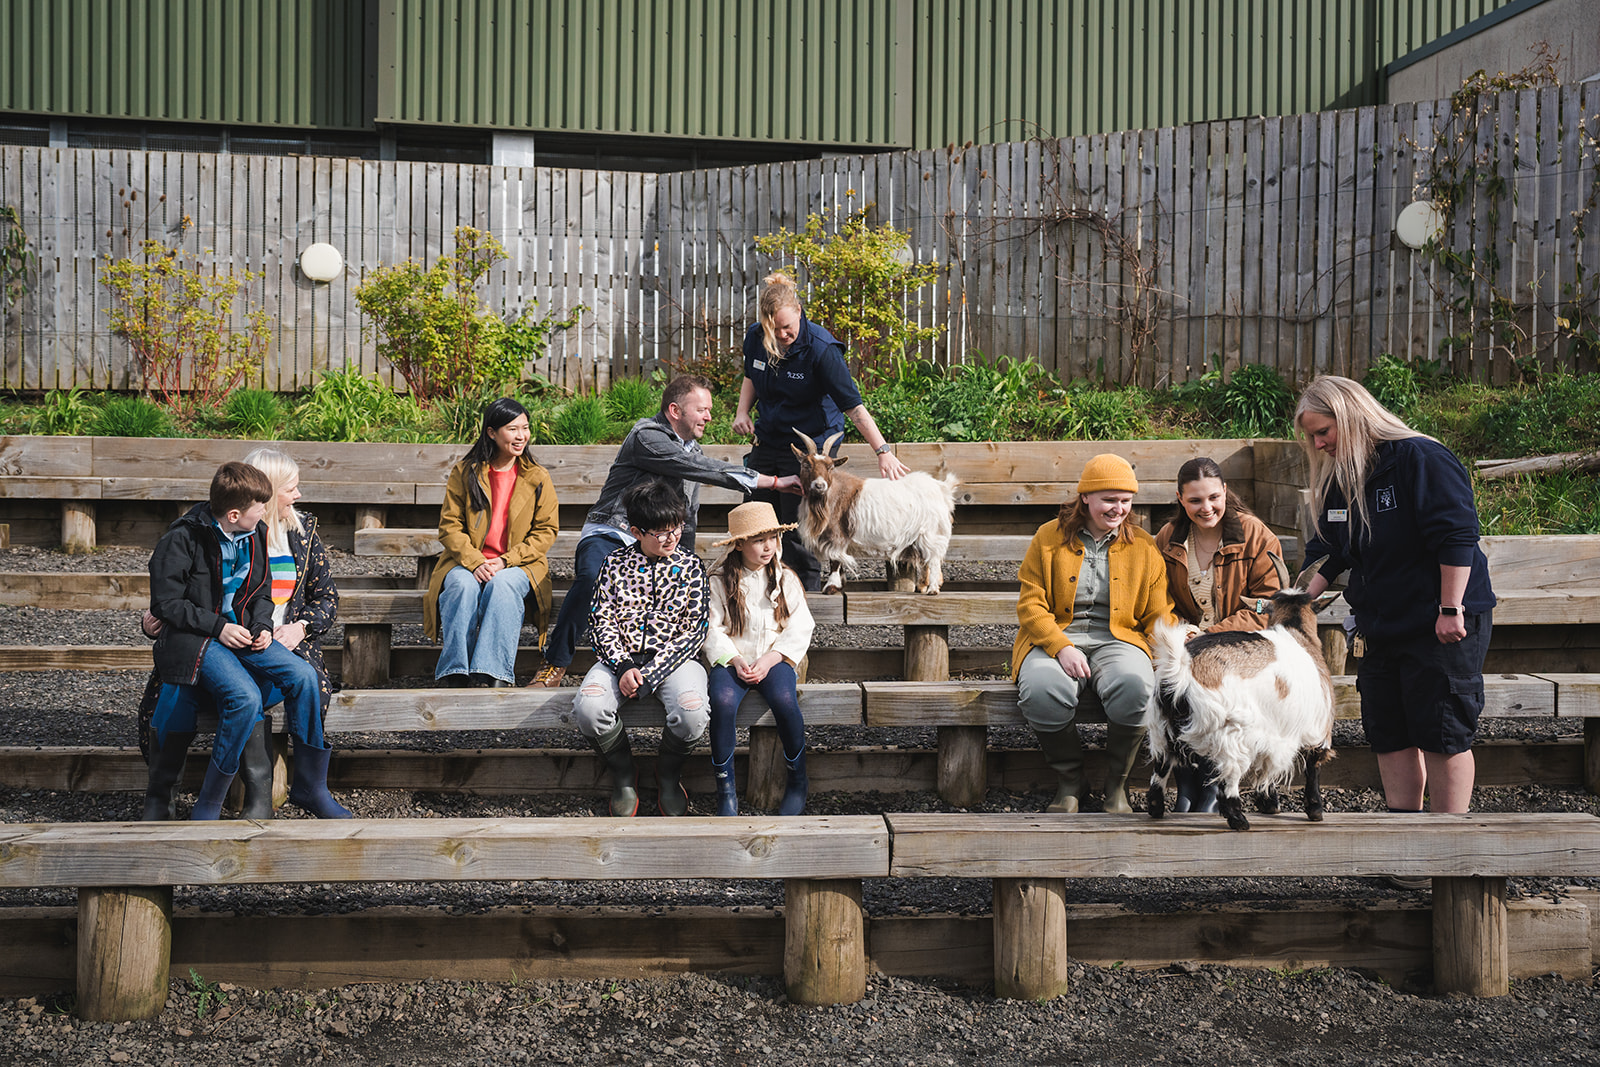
point(310, 788)
point(799, 787)
point(727, 788)
point(208, 805)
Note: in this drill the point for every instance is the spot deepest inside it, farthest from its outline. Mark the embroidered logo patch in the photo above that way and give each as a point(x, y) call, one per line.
point(1386, 499)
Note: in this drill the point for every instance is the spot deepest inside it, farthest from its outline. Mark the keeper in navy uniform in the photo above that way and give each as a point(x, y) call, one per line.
point(796, 379)
point(1394, 507)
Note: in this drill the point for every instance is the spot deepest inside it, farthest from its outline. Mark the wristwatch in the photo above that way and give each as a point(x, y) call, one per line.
point(1449, 609)
point(881, 449)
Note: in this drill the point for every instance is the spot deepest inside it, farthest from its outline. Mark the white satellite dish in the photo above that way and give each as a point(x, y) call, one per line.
point(1419, 223)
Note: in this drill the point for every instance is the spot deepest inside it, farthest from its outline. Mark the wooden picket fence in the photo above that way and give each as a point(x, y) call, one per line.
point(1132, 256)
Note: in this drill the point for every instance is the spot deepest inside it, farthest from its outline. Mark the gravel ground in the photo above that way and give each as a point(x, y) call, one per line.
point(1180, 1015)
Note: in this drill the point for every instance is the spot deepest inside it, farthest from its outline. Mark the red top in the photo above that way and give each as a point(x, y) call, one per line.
point(501, 484)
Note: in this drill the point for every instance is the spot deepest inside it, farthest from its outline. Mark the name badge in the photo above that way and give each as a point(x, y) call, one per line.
point(1338, 515)
point(760, 364)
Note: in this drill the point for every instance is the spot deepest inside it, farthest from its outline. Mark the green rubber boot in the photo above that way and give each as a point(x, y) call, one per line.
point(1122, 748)
point(1063, 750)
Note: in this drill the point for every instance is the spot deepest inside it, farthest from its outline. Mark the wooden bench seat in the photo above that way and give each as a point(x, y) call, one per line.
point(963, 712)
point(125, 933)
point(1031, 857)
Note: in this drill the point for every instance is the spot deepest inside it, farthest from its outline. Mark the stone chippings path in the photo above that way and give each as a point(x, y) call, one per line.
point(1185, 1014)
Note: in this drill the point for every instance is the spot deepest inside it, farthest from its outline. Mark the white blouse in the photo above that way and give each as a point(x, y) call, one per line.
point(761, 634)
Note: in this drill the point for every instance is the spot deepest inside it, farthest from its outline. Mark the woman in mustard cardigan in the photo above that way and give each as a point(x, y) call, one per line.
point(1093, 587)
point(497, 524)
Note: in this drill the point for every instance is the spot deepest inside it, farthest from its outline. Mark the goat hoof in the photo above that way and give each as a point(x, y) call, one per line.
point(1314, 814)
point(1238, 822)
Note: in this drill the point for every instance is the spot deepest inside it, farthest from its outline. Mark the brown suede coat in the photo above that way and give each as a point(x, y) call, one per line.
point(1249, 564)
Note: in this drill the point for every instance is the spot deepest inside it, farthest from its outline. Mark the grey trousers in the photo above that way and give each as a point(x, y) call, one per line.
point(682, 695)
point(1120, 675)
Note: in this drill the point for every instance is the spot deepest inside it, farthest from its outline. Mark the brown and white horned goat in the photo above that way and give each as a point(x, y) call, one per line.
point(1250, 707)
point(905, 521)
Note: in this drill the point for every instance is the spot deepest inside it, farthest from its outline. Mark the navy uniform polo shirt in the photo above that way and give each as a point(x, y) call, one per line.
point(809, 390)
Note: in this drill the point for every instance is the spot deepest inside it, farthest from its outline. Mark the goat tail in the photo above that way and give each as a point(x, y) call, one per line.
point(1171, 652)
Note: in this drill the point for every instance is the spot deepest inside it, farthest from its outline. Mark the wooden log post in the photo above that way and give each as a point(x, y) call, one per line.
point(425, 565)
point(1471, 953)
point(366, 655)
point(124, 952)
point(767, 775)
point(1591, 756)
point(5, 536)
point(900, 577)
point(371, 517)
point(1335, 648)
point(927, 654)
point(824, 941)
point(963, 765)
point(278, 749)
point(77, 526)
point(1030, 938)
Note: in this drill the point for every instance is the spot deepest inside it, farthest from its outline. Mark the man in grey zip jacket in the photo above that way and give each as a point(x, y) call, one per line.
point(664, 446)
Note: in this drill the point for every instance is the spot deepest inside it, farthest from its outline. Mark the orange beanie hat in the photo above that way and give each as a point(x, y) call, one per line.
point(1108, 472)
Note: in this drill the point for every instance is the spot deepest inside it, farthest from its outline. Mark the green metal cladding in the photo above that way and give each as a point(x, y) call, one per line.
point(916, 73)
point(246, 62)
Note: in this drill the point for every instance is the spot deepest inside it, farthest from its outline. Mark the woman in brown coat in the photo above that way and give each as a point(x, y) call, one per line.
point(497, 525)
point(1218, 555)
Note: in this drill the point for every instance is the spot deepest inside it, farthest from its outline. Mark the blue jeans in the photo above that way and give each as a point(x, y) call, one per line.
point(574, 615)
point(481, 623)
point(778, 689)
point(241, 684)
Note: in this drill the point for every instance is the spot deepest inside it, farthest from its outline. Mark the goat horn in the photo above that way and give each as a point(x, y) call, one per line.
point(827, 446)
point(1310, 572)
point(811, 446)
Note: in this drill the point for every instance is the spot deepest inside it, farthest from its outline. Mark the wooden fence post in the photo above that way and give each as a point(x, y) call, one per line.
point(1030, 938)
point(366, 655)
point(824, 941)
point(1470, 952)
point(124, 951)
point(766, 776)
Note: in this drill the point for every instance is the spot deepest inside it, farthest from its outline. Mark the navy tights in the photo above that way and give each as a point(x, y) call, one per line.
point(778, 687)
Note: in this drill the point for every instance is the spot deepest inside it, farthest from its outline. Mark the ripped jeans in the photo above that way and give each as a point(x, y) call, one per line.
point(682, 695)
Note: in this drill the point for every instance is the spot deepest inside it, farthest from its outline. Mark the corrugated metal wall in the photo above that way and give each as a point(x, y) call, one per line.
point(239, 62)
point(823, 71)
point(1001, 70)
point(920, 73)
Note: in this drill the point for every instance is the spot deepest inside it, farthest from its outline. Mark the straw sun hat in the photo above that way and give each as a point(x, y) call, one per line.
point(755, 519)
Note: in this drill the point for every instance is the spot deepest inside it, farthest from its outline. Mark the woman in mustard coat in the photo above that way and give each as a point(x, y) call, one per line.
point(1093, 588)
point(497, 525)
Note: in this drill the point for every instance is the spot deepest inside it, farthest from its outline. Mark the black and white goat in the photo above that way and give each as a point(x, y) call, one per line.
point(1251, 706)
point(905, 521)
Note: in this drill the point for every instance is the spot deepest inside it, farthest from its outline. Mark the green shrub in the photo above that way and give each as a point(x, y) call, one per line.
point(253, 413)
point(631, 399)
point(582, 422)
point(1559, 502)
point(1256, 402)
point(1557, 413)
point(347, 405)
point(64, 411)
point(1399, 385)
point(132, 416)
point(1096, 415)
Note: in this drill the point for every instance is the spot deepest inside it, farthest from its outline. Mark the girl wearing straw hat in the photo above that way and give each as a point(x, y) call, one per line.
point(760, 629)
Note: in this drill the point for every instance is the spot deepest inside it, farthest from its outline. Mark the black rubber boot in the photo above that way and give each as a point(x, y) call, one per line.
point(798, 788)
point(166, 774)
point(1122, 748)
point(1195, 794)
point(671, 797)
point(727, 788)
point(1063, 751)
point(255, 771)
point(208, 805)
point(614, 749)
point(310, 787)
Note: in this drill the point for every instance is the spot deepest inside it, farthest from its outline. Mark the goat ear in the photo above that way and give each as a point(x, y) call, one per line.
point(1255, 604)
point(1324, 600)
point(1310, 572)
point(801, 456)
point(840, 461)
